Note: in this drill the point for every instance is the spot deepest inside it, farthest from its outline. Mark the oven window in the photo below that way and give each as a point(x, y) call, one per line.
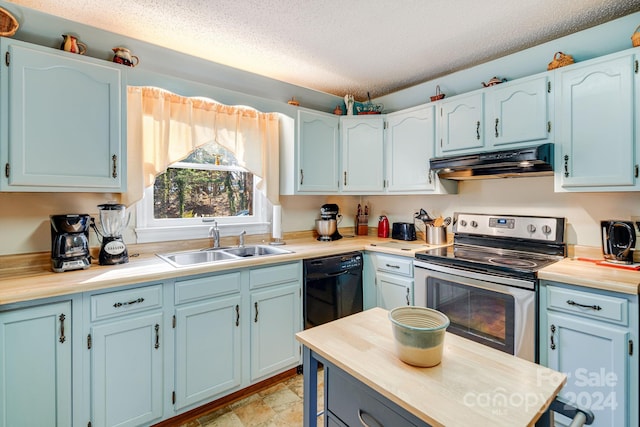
point(479, 314)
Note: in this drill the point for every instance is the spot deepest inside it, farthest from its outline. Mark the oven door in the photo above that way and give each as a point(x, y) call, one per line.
point(494, 314)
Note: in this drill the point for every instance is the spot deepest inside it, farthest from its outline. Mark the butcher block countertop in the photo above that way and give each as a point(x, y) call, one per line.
point(24, 280)
point(473, 385)
point(29, 277)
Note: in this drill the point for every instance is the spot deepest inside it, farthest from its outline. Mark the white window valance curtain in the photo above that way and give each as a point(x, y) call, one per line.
point(164, 128)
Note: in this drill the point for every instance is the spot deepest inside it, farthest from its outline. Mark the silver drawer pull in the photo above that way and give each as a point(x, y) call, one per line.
point(122, 304)
point(593, 307)
point(392, 266)
point(371, 422)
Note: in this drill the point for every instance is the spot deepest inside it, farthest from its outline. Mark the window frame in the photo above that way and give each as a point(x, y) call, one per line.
point(149, 229)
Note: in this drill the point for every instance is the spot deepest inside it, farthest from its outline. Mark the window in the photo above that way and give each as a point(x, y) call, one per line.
point(189, 195)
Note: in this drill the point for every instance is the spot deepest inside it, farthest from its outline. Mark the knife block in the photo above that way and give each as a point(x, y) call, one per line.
point(362, 225)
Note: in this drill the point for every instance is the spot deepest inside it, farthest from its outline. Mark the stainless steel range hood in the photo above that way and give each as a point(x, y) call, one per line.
point(513, 163)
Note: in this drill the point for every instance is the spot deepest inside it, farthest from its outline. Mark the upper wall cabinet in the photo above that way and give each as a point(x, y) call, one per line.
point(409, 145)
point(362, 140)
point(62, 121)
point(461, 123)
point(596, 133)
point(517, 113)
point(318, 152)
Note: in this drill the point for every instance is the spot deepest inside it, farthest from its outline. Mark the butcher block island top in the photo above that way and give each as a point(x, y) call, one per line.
point(473, 385)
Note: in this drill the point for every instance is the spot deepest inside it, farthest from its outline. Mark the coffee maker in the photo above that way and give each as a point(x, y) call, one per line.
point(70, 242)
point(331, 211)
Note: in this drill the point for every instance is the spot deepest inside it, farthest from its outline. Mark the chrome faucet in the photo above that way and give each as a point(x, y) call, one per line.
point(214, 233)
point(241, 239)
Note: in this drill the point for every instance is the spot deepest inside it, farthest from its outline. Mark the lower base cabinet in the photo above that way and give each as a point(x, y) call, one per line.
point(393, 279)
point(35, 366)
point(592, 336)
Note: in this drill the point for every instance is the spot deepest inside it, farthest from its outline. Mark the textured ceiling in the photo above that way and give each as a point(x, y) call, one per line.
point(337, 46)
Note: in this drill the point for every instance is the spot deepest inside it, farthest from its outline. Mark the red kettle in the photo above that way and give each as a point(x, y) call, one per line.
point(383, 226)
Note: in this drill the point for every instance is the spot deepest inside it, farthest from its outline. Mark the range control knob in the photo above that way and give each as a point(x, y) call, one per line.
point(463, 223)
point(474, 224)
point(531, 228)
point(546, 229)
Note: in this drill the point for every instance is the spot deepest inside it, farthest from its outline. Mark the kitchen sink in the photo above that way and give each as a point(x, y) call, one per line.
point(256, 250)
point(203, 256)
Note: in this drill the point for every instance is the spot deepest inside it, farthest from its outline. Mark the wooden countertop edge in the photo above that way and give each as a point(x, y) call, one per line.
point(499, 360)
point(36, 282)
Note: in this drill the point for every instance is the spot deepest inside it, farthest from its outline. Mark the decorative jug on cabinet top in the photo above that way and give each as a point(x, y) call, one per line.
point(122, 55)
point(71, 44)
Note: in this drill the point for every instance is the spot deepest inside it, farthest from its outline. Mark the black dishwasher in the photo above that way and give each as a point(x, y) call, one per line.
point(332, 288)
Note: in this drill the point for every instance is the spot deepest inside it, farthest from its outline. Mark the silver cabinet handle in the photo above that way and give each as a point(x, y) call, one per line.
point(371, 422)
point(61, 318)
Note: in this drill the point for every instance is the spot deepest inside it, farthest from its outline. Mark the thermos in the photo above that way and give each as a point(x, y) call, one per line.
point(383, 226)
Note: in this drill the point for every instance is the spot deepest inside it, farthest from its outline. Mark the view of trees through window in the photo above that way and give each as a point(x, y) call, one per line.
point(207, 183)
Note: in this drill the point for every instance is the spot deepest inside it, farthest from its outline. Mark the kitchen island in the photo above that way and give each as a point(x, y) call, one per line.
point(366, 382)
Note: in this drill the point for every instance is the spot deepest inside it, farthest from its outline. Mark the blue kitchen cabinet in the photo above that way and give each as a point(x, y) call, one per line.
point(590, 335)
point(362, 141)
point(518, 113)
point(208, 328)
point(62, 121)
point(318, 152)
point(35, 366)
point(126, 345)
point(596, 133)
point(393, 280)
point(460, 123)
point(275, 318)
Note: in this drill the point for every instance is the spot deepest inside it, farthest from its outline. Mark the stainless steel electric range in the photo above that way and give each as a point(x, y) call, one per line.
point(487, 281)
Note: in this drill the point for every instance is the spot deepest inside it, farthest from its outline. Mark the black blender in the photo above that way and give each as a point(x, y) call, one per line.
point(113, 219)
point(70, 242)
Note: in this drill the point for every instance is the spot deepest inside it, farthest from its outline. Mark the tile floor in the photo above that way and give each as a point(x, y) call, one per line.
point(277, 406)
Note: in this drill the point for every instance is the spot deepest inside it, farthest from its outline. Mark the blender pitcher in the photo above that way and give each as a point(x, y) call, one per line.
point(113, 219)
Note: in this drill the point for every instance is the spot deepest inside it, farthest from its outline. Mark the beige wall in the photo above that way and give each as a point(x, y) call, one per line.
point(24, 217)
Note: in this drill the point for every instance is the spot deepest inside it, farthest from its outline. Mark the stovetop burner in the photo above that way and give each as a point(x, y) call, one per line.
point(514, 246)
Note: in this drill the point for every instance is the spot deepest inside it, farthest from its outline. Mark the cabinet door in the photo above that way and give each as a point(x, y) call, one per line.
point(64, 122)
point(207, 349)
point(410, 144)
point(362, 154)
point(126, 371)
point(35, 366)
point(594, 356)
point(318, 150)
point(595, 135)
point(394, 291)
point(517, 113)
point(460, 123)
point(275, 319)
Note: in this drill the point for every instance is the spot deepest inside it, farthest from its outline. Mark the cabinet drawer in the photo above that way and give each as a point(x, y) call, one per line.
point(395, 265)
point(588, 304)
point(268, 276)
point(104, 306)
point(353, 403)
point(206, 287)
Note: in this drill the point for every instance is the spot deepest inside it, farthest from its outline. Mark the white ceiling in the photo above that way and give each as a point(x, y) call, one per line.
point(337, 46)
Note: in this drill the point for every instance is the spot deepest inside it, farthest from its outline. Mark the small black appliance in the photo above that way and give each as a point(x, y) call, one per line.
point(70, 242)
point(331, 211)
point(618, 241)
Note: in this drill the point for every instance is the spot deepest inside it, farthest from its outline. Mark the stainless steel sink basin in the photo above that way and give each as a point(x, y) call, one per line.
point(256, 250)
point(181, 259)
point(187, 258)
